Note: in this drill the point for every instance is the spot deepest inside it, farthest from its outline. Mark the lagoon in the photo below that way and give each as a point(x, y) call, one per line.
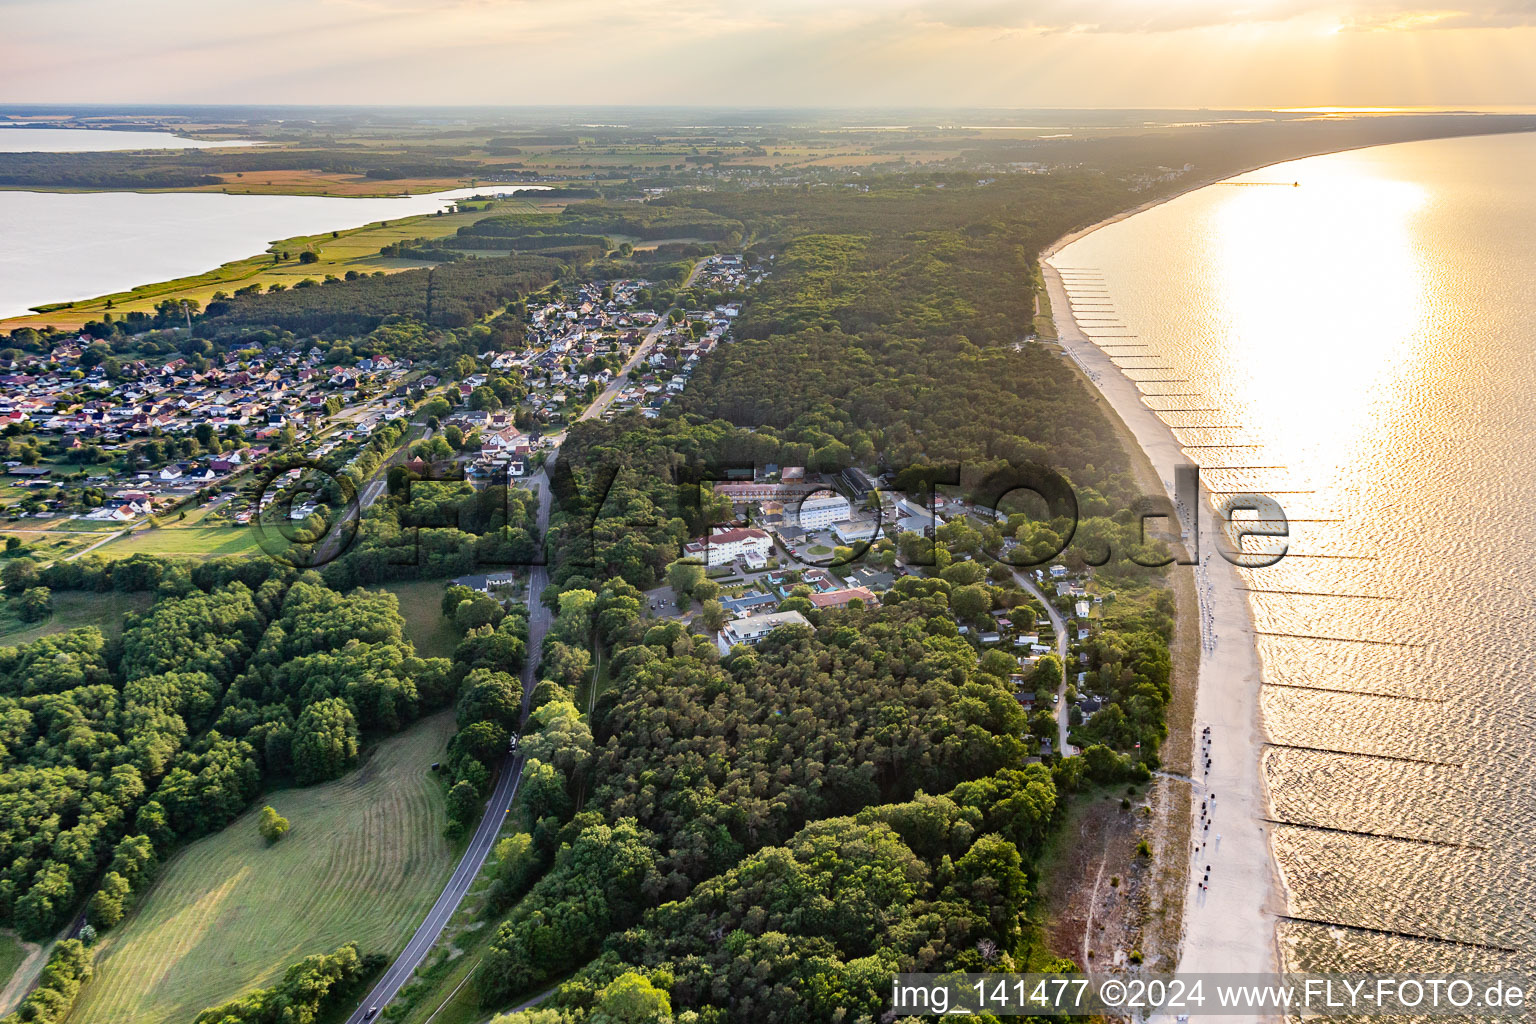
point(63, 247)
point(20, 139)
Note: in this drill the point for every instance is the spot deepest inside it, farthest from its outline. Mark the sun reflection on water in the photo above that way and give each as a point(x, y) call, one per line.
point(1367, 336)
point(1321, 294)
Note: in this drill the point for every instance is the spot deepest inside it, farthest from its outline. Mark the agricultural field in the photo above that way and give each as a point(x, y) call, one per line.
point(320, 183)
point(364, 861)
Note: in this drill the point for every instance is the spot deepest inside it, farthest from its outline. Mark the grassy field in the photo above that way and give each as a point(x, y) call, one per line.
point(13, 953)
point(444, 990)
point(421, 603)
point(72, 608)
point(364, 861)
point(187, 541)
point(51, 543)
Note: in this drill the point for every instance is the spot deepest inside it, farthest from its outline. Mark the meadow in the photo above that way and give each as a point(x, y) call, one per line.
point(364, 861)
point(185, 541)
point(13, 953)
point(71, 609)
point(421, 605)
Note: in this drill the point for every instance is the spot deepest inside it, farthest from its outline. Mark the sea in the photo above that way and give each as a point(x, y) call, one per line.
point(1356, 336)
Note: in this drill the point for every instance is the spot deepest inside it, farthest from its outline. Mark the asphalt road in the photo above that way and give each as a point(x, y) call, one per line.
point(1058, 623)
point(642, 350)
point(399, 972)
point(539, 616)
point(335, 543)
point(509, 775)
point(620, 382)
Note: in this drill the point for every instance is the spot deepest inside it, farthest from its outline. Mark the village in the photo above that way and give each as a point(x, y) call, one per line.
point(597, 353)
point(150, 436)
point(95, 440)
point(140, 439)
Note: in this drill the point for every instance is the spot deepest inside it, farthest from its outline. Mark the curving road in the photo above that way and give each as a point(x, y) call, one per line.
point(399, 972)
point(1058, 623)
point(511, 770)
point(509, 775)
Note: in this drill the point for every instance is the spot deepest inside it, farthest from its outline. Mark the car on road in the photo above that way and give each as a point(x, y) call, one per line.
point(372, 1010)
point(512, 744)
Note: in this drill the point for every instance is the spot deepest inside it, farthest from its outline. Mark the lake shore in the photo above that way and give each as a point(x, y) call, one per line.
point(1229, 927)
point(190, 245)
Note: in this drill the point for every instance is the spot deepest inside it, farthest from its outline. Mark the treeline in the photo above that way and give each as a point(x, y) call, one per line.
point(308, 991)
point(193, 167)
point(431, 529)
point(840, 400)
point(650, 221)
point(420, 249)
point(486, 663)
point(68, 967)
point(450, 296)
point(449, 350)
point(755, 830)
point(641, 220)
point(532, 242)
point(241, 673)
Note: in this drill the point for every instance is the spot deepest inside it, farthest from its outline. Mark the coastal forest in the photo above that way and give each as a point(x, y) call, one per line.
point(768, 836)
point(764, 835)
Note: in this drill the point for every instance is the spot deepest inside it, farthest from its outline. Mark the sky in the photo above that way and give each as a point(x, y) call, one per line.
point(803, 53)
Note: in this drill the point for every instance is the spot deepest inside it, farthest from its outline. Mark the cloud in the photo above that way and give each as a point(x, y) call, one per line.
point(1142, 16)
point(1025, 53)
point(1517, 14)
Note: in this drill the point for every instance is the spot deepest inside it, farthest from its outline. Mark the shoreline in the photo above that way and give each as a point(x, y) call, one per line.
point(1223, 929)
point(255, 264)
point(1205, 182)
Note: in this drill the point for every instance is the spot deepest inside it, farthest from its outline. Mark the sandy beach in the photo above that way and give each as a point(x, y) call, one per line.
point(1229, 927)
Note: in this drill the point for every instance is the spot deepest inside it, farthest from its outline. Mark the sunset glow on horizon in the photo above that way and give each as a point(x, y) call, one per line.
point(1049, 53)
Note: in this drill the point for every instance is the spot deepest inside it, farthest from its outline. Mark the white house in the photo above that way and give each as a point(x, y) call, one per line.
point(753, 628)
point(725, 547)
point(856, 531)
point(821, 510)
point(505, 440)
